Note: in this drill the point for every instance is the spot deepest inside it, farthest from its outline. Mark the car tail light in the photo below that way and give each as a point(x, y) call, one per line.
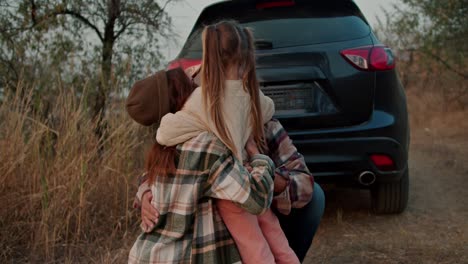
point(383, 162)
point(270, 4)
point(370, 58)
point(183, 63)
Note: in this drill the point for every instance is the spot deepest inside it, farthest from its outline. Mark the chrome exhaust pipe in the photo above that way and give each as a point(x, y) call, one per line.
point(366, 178)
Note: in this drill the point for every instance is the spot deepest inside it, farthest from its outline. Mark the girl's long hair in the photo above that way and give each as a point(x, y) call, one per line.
point(227, 44)
point(160, 160)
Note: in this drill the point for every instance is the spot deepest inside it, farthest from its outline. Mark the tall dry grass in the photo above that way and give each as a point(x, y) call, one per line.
point(64, 197)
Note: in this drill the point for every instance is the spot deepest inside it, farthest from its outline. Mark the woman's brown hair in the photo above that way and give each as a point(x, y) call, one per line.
point(227, 44)
point(160, 160)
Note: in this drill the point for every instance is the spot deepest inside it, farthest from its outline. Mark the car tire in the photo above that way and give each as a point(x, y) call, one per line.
point(390, 198)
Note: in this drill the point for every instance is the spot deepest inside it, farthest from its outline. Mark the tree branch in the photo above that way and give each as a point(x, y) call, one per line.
point(10, 65)
point(445, 63)
point(62, 12)
point(440, 60)
point(81, 18)
point(33, 11)
point(164, 8)
point(144, 18)
point(122, 30)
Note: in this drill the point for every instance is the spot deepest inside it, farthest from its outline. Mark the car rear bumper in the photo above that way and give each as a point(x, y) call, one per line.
point(340, 155)
point(333, 160)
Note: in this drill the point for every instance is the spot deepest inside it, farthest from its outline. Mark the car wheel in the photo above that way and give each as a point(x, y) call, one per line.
point(390, 198)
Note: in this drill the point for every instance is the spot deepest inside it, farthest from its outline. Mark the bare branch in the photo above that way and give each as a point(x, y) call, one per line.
point(79, 17)
point(139, 17)
point(33, 12)
point(443, 62)
point(145, 18)
point(122, 30)
point(448, 66)
point(72, 13)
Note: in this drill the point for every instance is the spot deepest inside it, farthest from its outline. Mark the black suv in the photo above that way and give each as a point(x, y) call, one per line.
point(335, 88)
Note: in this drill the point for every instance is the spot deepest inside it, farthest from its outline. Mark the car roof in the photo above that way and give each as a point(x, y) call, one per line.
point(229, 6)
point(222, 2)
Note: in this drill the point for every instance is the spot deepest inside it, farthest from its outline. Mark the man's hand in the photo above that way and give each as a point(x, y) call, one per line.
point(149, 214)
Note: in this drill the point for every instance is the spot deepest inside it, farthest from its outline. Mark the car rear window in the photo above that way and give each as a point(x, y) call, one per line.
point(302, 24)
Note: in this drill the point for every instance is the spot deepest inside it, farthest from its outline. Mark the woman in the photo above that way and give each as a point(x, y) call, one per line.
point(297, 207)
point(186, 179)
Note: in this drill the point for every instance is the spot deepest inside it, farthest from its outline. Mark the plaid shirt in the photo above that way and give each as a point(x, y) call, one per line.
point(291, 165)
point(190, 229)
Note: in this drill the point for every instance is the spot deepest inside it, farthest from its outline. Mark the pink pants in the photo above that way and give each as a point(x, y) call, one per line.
point(259, 239)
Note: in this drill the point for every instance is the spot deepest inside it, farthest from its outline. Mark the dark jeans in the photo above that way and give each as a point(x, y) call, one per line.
point(302, 223)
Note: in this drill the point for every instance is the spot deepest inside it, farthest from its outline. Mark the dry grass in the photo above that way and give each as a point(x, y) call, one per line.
point(63, 202)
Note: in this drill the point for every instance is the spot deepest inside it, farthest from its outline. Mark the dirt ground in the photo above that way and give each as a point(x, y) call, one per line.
point(433, 229)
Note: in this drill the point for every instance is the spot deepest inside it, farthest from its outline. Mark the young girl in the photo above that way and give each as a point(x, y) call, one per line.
point(230, 104)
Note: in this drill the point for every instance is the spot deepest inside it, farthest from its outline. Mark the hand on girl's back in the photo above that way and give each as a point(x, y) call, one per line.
point(149, 214)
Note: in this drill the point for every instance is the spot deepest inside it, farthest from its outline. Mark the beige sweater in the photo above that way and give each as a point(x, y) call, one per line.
point(194, 118)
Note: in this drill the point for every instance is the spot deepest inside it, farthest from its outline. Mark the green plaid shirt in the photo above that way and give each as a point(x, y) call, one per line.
point(190, 229)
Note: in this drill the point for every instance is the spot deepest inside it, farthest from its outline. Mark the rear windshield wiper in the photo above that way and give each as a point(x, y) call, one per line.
point(262, 44)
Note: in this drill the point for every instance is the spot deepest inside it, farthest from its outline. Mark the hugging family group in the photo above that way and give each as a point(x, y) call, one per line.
point(223, 182)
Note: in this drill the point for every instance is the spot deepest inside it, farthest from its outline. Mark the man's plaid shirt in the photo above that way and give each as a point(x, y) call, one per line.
point(190, 229)
point(290, 165)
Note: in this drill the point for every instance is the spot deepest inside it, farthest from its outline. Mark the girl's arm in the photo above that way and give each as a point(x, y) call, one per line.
point(185, 124)
point(229, 180)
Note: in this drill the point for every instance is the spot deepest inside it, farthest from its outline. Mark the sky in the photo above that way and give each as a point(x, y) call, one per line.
point(184, 13)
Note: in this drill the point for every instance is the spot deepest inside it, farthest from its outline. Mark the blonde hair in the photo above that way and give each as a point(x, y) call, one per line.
point(226, 44)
